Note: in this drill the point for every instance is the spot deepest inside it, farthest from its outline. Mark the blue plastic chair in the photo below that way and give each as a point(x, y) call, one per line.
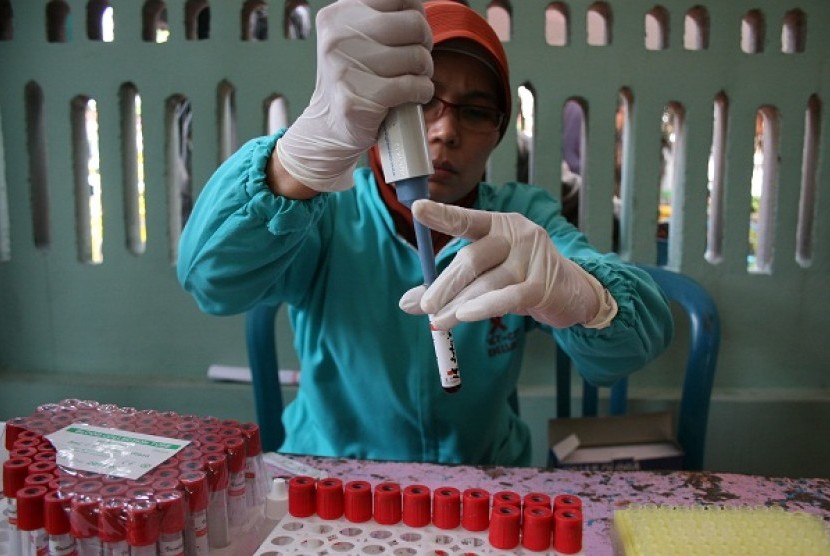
point(704, 343)
point(260, 328)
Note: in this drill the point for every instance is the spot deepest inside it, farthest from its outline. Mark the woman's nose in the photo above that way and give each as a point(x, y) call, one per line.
point(444, 128)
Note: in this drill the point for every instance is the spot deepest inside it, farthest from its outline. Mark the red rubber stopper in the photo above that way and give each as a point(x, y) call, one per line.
point(216, 468)
point(357, 501)
point(252, 439)
point(46, 455)
point(416, 506)
point(142, 523)
point(567, 501)
point(13, 429)
point(66, 485)
point(329, 498)
point(166, 485)
point(38, 479)
point(475, 509)
point(56, 512)
point(504, 527)
point(46, 467)
point(212, 448)
point(83, 516)
point(446, 507)
point(301, 496)
point(537, 499)
point(195, 490)
point(235, 452)
point(537, 524)
point(189, 453)
point(28, 452)
point(171, 511)
point(567, 531)
point(88, 486)
point(192, 465)
point(14, 475)
point(388, 503)
point(507, 498)
point(112, 519)
point(30, 507)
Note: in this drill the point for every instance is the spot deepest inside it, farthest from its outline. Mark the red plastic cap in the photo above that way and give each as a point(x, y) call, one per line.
point(195, 490)
point(56, 512)
point(38, 479)
point(537, 524)
point(329, 499)
point(388, 503)
point(537, 499)
point(88, 486)
point(112, 519)
point(114, 489)
point(475, 509)
point(30, 507)
point(14, 475)
point(508, 498)
point(235, 452)
point(171, 508)
point(301, 496)
point(357, 498)
point(216, 467)
point(13, 429)
point(253, 439)
point(46, 467)
point(504, 527)
point(416, 506)
point(565, 501)
point(446, 508)
point(567, 531)
point(27, 452)
point(83, 517)
point(142, 523)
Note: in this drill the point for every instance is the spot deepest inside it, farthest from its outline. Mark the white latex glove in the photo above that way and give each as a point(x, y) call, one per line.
point(372, 55)
point(512, 266)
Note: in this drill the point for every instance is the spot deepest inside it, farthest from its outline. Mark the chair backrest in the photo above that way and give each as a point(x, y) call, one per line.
point(260, 324)
point(704, 343)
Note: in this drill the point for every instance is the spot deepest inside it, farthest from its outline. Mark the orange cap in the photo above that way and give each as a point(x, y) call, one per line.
point(450, 20)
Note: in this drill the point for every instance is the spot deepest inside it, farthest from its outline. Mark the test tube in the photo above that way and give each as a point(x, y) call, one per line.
point(256, 476)
point(83, 523)
point(112, 526)
point(237, 504)
point(196, 529)
point(14, 478)
point(30, 519)
point(171, 529)
point(216, 468)
point(56, 522)
point(142, 527)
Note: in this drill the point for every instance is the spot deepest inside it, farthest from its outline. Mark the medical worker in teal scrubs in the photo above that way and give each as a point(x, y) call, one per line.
point(290, 219)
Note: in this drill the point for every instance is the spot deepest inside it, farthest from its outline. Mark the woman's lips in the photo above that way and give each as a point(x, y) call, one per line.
point(443, 171)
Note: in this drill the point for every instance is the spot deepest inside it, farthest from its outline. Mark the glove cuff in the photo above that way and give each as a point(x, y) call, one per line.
point(313, 167)
point(607, 304)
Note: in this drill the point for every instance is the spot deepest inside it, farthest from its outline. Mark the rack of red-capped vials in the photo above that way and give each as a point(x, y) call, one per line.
point(191, 503)
point(536, 522)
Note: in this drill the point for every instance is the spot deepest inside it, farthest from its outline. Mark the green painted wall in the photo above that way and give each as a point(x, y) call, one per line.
point(124, 332)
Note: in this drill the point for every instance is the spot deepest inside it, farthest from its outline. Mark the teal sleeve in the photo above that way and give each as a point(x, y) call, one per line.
point(241, 240)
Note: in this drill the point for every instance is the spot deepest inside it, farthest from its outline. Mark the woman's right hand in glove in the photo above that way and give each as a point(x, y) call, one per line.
point(372, 55)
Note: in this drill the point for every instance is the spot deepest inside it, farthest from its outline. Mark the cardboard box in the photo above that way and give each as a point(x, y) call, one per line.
point(639, 441)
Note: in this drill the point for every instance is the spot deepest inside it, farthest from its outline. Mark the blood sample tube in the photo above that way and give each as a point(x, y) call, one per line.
point(302, 495)
point(83, 523)
point(14, 478)
point(172, 515)
point(235, 454)
point(329, 498)
point(504, 527)
point(416, 506)
point(357, 501)
point(507, 497)
point(216, 468)
point(446, 507)
point(388, 503)
point(142, 527)
point(112, 526)
point(567, 531)
point(56, 508)
point(197, 498)
point(475, 509)
point(537, 524)
point(256, 475)
point(30, 519)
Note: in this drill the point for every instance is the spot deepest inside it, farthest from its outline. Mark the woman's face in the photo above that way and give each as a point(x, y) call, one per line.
point(459, 154)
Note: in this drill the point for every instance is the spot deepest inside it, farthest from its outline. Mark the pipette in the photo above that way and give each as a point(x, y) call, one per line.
point(404, 156)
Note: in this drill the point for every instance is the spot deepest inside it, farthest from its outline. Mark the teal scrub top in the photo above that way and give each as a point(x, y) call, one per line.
point(369, 385)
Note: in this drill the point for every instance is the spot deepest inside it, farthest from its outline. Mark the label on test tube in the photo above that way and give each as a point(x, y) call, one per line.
point(447, 360)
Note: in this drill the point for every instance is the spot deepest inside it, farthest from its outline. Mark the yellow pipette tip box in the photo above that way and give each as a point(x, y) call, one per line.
point(652, 530)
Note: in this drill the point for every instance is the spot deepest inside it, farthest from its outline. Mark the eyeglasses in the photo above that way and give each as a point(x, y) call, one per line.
point(479, 119)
